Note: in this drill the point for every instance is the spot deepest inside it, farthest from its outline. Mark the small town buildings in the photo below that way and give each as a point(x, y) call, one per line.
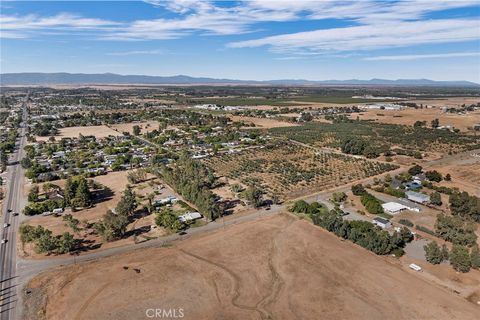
point(409, 204)
point(417, 197)
point(382, 223)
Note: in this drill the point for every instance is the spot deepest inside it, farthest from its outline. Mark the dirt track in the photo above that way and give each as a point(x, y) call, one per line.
point(277, 267)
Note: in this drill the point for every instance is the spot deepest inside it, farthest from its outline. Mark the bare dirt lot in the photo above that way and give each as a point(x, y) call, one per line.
point(145, 126)
point(448, 102)
point(409, 116)
point(74, 132)
point(266, 123)
point(287, 269)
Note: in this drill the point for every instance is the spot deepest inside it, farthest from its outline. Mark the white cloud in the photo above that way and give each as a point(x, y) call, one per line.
point(423, 56)
point(25, 26)
point(369, 37)
point(136, 52)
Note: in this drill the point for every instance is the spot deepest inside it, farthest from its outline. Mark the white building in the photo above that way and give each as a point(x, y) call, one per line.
point(393, 207)
point(189, 216)
point(417, 197)
point(382, 223)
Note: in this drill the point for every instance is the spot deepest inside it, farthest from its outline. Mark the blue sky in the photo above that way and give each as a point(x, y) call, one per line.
point(258, 40)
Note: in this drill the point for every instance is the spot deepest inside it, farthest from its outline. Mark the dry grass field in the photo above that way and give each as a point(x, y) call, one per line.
point(287, 269)
point(290, 170)
point(409, 116)
point(264, 123)
point(74, 132)
point(448, 102)
point(145, 126)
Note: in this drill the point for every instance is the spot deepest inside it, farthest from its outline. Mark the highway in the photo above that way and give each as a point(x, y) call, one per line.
point(14, 200)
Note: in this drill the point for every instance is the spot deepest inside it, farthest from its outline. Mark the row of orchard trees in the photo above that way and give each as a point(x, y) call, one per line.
point(193, 181)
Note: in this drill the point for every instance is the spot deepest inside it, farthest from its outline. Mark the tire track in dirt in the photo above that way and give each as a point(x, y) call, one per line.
point(236, 281)
point(89, 300)
point(277, 283)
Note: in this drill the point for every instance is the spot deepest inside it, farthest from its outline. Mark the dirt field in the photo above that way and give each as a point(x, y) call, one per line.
point(409, 116)
point(287, 269)
point(145, 126)
point(465, 172)
point(266, 123)
point(73, 132)
point(449, 102)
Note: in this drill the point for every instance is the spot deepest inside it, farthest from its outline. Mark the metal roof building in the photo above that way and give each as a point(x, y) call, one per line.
point(417, 197)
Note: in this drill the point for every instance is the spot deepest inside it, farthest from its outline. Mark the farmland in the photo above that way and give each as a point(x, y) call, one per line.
point(463, 122)
point(74, 132)
point(382, 136)
point(290, 170)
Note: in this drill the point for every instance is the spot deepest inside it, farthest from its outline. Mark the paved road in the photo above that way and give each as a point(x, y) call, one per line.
point(14, 200)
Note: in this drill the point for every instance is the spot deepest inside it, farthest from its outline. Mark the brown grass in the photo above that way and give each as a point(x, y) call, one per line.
point(278, 267)
point(409, 116)
point(74, 132)
point(264, 123)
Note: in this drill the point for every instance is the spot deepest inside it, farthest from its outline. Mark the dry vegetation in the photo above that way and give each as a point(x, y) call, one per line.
point(288, 269)
point(409, 116)
point(290, 170)
point(74, 132)
point(266, 123)
point(145, 126)
point(116, 182)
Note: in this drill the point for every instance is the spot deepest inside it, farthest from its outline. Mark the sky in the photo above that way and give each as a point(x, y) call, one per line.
point(248, 40)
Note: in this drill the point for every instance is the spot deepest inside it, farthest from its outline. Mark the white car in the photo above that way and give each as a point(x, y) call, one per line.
point(5, 225)
point(4, 241)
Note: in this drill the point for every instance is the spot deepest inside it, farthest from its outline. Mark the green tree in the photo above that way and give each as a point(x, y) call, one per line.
point(112, 226)
point(70, 190)
point(436, 198)
point(136, 130)
point(460, 258)
point(433, 175)
point(127, 204)
point(435, 123)
point(254, 196)
point(339, 197)
point(168, 220)
point(475, 257)
point(66, 243)
point(416, 169)
point(82, 194)
point(433, 253)
point(33, 193)
point(358, 189)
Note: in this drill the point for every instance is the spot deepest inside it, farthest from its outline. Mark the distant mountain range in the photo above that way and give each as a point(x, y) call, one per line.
point(8, 79)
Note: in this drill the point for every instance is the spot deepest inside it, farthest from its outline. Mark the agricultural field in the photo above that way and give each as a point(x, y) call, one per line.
point(289, 170)
point(74, 132)
point(382, 136)
point(287, 269)
point(281, 102)
point(263, 123)
point(463, 122)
